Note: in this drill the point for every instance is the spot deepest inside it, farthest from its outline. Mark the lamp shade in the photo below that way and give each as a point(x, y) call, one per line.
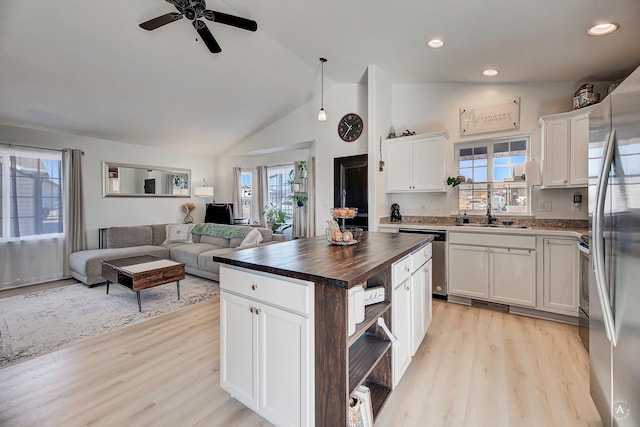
point(204, 191)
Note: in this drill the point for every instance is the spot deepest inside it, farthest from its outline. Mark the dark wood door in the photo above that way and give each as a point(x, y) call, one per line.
point(350, 179)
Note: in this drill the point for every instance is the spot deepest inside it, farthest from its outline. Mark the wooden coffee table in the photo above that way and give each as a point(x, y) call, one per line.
point(141, 272)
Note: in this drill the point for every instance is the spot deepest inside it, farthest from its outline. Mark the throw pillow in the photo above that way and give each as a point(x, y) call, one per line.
point(253, 237)
point(179, 233)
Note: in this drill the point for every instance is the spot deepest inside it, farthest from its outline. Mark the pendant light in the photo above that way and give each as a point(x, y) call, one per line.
point(322, 115)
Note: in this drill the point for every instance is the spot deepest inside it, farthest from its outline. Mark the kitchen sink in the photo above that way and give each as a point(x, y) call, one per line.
point(523, 227)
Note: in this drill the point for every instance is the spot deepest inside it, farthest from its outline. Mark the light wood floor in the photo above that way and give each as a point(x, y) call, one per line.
point(476, 368)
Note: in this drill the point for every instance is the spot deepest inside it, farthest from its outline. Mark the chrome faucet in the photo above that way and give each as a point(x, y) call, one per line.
point(490, 218)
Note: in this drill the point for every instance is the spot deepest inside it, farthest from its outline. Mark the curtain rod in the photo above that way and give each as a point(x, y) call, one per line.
point(37, 148)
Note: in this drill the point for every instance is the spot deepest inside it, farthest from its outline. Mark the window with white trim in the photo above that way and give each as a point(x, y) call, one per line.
point(493, 172)
point(30, 192)
point(280, 189)
point(246, 179)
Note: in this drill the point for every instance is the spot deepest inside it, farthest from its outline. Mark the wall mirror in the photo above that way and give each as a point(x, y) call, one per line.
point(123, 180)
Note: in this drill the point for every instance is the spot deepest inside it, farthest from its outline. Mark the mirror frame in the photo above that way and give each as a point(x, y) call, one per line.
point(109, 166)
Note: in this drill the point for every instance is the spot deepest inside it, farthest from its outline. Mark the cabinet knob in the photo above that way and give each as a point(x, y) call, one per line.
point(251, 309)
point(565, 181)
point(258, 311)
point(406, 268)
point(254, 287)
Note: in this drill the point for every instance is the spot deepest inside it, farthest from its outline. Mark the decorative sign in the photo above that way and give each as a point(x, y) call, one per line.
point(490, 119)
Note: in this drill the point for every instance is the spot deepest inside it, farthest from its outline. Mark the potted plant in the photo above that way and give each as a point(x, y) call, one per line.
point(302, 169)
point(276, 218)
point(300, 198)
point(295, 186)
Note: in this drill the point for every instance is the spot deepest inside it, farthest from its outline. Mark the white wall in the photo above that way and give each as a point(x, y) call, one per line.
point(111, 211)
point(425, 108)
point(301, 127)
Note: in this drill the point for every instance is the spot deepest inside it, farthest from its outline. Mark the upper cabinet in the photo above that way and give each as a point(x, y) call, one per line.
point(565, 144)
point(416, 163)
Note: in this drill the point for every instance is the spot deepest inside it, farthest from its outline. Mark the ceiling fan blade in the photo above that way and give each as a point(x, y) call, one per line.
point(235, 21)
point(154, 23)
point(206, 36)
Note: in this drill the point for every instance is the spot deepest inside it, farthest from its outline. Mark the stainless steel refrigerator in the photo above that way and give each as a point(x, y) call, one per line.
point(614, 221)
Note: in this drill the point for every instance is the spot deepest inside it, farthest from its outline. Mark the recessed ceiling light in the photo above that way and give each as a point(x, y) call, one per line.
point(603, 29)
point(490, 72)
point(435, 43)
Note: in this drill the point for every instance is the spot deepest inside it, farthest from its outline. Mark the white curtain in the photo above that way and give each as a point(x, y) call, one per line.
point(35, 258)
point(75, 238)
point(260, 196)
point(236, 192)
point(311, 204)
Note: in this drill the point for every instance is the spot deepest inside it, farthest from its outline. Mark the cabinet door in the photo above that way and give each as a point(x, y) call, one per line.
point(399, 174)
point(284, 371)
point(428, 165)
point(238, 348)
point(560, 275)
point(578, 169)
point(428, 297)
point(417, 291)
point(555, 152)
point(402, 330)
point(468, 271)
point(512, 276)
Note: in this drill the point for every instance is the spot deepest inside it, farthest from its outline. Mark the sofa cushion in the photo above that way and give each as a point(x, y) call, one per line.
point(206, 262)
point(159, 233)
point(124, 237)
point(267, 234)
point(87, 265)
point(188, 253)
point(253, 237)
point(212, 240)
point(179, 233)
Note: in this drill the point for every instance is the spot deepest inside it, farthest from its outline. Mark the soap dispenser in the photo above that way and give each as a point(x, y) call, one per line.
point(465, 218)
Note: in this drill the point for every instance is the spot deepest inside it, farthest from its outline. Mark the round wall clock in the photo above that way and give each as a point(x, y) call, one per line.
point(350, 127)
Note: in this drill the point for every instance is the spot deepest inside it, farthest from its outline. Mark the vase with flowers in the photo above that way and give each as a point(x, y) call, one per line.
point(187, 208)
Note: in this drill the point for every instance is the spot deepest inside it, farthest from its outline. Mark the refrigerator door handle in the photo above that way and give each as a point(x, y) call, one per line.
point(598, 250)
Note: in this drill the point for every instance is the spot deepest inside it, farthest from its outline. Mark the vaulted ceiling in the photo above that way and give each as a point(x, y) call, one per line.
point(87, 68)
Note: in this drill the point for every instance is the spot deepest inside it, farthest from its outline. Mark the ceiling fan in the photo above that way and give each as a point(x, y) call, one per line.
point(194, 10)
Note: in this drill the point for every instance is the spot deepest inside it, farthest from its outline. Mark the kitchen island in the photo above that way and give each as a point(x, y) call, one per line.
point(285, 348)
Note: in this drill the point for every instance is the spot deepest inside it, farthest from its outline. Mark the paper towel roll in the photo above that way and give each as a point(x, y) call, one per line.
point(358, 297)
point(351, 317)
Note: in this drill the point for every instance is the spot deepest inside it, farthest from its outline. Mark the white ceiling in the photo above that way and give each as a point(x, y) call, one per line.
point(85, 67)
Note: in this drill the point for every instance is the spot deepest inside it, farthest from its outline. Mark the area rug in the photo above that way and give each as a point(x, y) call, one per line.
point(40, 322)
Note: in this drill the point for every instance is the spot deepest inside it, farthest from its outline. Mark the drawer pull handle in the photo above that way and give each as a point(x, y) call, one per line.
point(254, 287)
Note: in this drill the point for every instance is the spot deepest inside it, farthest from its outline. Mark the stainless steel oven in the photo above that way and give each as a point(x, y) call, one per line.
point(585, 272)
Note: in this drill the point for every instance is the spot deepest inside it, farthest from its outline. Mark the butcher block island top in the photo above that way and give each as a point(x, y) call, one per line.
point(316, 260)
point(322, 371)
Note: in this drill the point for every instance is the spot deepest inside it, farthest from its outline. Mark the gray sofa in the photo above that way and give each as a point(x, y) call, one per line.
point(122, 242)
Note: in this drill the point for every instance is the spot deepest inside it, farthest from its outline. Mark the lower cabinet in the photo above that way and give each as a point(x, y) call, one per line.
point(502, 274)
point(411, 307)
point(402, 329)
point(266, 355)
point(560, 284)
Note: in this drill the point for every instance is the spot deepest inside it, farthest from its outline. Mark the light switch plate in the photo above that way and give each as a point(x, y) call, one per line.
point(544, 206)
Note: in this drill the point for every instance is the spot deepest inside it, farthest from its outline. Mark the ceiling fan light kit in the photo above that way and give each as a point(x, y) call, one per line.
point(193, 10)
point(322, 115)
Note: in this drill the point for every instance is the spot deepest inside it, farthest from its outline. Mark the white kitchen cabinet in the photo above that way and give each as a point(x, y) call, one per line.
point(402, 329)
point(560, 287)
point(500, 268)
point(411, 281)
point(565, 142)
point(512, 277)
point(416, 163)
point(266, 351)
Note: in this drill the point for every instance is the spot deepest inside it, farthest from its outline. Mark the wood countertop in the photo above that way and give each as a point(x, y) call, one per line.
point(316, 260)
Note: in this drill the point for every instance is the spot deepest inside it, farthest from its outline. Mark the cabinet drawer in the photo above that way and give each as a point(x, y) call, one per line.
point(290, 294)
point(420, 256)
point(401, 270)
point(494, 240)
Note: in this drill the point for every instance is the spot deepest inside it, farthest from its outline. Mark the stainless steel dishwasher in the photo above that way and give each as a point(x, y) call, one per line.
point(439, 262)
